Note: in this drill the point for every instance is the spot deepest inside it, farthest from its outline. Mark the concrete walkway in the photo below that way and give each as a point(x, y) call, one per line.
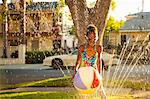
point(49, 89)
point(141, 94)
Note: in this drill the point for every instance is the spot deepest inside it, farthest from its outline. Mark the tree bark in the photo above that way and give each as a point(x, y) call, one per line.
point(83, 16)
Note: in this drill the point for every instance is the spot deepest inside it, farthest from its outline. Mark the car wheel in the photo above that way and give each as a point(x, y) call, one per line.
point(57, 63)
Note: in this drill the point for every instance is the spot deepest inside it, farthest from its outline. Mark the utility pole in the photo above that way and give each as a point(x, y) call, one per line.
point(22, 42)
point(5, 28)
point(22, 21)
point(142, 6)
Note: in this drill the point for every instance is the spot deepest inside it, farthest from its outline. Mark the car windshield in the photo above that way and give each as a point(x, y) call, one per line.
point(75, 52)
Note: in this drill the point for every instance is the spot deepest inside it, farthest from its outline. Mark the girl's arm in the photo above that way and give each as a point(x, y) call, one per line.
point(78, 61)
point(99, 50)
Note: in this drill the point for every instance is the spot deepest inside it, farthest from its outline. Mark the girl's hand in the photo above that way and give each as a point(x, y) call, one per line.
point(74, 74)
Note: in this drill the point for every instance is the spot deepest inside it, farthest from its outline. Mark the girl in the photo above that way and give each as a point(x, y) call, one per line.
point(89, 53)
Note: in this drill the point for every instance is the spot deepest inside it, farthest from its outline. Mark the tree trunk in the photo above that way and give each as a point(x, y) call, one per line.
point(83, 16)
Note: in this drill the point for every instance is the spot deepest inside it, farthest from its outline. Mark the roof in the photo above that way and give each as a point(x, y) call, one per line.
point(139, 22)
point(36, 6)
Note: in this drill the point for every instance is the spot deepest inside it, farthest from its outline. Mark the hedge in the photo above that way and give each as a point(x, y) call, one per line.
point(36, 57)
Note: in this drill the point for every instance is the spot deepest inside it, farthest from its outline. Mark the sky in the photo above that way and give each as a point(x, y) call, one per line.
point(123, 7)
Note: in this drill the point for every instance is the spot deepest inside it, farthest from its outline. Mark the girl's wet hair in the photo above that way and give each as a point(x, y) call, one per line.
point(91, 28)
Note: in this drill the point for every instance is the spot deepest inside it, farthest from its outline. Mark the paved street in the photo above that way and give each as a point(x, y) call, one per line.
point(13, 74)
point(132, 72)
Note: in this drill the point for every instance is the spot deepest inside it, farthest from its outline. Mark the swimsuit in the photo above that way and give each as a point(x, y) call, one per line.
point(87, 60)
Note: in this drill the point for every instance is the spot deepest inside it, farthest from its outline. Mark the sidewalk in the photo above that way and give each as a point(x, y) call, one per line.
point(49, 89)
point(141, 94)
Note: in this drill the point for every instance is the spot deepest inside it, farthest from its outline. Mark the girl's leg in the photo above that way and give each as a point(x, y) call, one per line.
point(102, 91)
point(103, 94)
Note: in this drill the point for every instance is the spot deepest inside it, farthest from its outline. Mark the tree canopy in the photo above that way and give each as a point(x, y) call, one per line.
point(112, 25)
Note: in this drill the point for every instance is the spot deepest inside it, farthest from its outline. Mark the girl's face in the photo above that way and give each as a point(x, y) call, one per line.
point(92, 36)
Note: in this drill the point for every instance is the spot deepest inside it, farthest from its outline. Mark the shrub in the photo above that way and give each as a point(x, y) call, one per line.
point(36, 57)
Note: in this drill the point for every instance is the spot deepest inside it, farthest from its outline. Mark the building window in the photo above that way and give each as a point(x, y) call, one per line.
point(123, 39)
point(35, 18)
point(57, 44)
point(65, 43)
point(35, 45)
point(13, 42)
point(73, 44)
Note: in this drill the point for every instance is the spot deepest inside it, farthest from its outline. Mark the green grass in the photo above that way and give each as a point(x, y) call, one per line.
point(121, 97)
point(132, 85)
point(51, 82)
point(37, 95)
point(64, 82)
point(53, 95)
point(67, 82)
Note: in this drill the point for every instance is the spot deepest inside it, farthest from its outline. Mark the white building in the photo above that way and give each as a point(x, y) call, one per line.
point(67, 24)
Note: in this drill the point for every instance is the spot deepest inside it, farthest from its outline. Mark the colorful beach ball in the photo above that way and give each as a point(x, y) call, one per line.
point(87, 80)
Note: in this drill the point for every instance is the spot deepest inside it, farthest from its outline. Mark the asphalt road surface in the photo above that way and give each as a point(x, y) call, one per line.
point(14, 76)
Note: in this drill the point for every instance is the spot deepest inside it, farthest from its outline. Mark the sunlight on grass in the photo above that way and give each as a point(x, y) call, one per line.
point(52, 95)
point(19, 94)
point(131, 84)
point(36, 95)
point(51, 82)
point(121, 97)
point(55, 82)
point(67, 82)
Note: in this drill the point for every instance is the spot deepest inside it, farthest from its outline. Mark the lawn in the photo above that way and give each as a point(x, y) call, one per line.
point(130, 84)
point(67, 82)
point(36, 95)
point(52, 95)
point(51, 82)
point(63, 82)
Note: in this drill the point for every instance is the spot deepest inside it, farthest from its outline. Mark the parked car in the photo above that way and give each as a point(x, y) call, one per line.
point(69, 60)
